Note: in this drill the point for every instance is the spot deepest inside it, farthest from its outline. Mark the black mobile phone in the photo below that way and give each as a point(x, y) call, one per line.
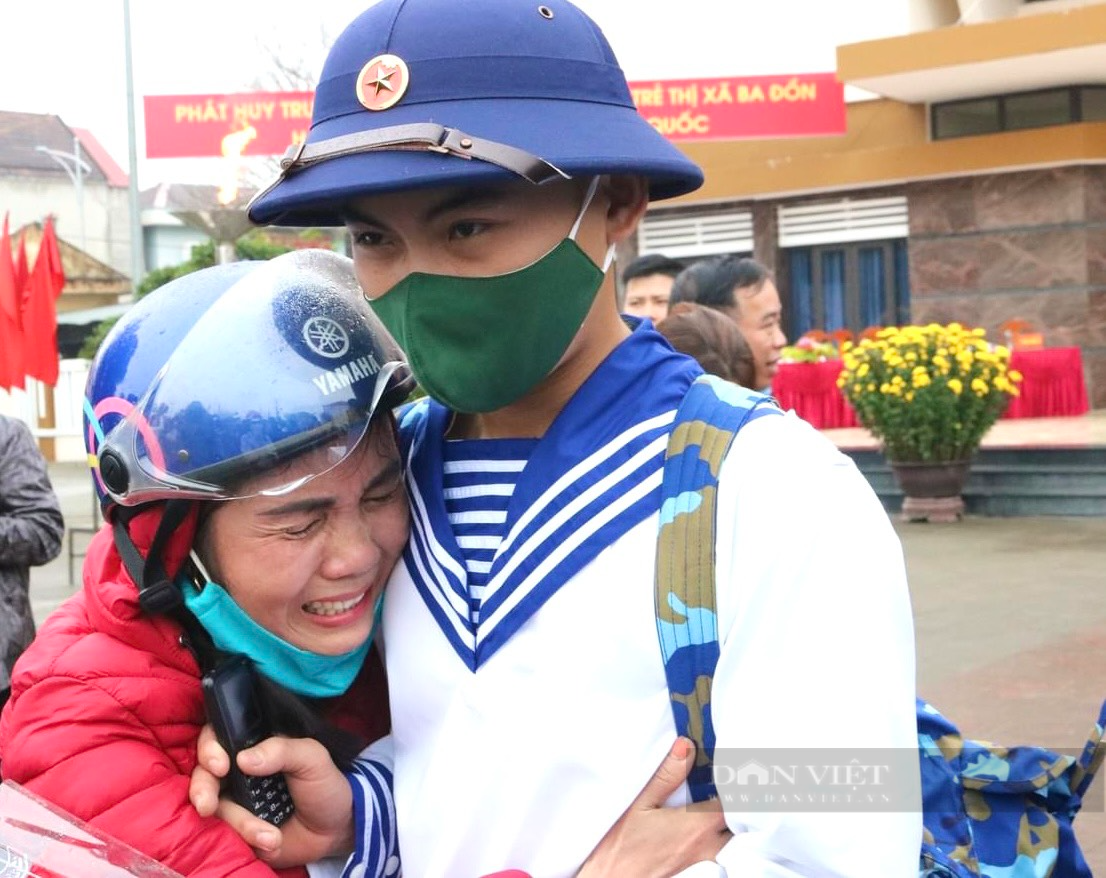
point(235, 711)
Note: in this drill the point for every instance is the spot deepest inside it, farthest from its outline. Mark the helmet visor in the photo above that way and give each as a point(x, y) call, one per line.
point(275, 385)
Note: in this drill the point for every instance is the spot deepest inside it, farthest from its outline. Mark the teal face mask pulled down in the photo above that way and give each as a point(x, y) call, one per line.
point(305, 673)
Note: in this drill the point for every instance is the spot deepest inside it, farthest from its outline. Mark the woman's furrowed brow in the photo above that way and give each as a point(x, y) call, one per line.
point(391, 473)
point(307, 504)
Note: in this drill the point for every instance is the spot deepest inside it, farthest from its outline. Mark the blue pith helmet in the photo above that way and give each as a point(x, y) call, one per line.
point(228, 372)
point(420, 93)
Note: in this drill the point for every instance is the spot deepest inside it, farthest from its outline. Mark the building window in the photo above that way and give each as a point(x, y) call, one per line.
point(1039, 109)
point(1093, 104)
point(690, 236)
point(1017, 112)
point(848, 286)
point(965, 118)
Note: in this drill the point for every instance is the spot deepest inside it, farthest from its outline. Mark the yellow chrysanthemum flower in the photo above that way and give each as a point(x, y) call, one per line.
point(884, 374)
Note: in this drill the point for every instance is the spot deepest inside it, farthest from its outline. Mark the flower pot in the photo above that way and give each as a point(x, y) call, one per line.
point(932, 489)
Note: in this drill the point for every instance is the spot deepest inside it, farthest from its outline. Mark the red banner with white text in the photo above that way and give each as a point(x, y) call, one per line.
point(199, 126)
point(266, 123)
point(737, 107)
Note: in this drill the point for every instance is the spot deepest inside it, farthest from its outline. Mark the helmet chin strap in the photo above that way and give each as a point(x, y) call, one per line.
point(157, 593)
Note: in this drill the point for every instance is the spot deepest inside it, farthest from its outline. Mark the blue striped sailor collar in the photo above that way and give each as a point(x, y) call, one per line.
point(592, 477)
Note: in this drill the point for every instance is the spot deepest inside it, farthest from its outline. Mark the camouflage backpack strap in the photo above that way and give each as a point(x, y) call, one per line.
point(708, 419)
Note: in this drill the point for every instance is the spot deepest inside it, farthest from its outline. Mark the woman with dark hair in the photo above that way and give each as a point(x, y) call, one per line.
point(239, 424)
point(712, 339)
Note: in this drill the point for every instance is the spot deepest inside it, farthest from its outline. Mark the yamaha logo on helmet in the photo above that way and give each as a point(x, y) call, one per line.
point(326, 337)
point(348, 374)
point(382, 82)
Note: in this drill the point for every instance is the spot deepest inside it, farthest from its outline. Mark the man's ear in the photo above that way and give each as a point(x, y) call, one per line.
point(627, 198)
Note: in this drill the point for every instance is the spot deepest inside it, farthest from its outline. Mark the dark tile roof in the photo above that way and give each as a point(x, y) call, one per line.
point(20, 133)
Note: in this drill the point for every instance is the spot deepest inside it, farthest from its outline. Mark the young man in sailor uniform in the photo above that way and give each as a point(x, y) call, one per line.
point(487, 158)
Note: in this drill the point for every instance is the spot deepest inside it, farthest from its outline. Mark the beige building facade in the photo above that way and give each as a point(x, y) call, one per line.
point(972, 187)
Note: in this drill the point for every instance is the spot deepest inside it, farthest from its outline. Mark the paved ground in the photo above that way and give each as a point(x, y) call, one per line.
point(1010, 617)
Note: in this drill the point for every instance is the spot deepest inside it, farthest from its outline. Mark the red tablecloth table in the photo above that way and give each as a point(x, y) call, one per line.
point(811, 390)
point(1052, 385)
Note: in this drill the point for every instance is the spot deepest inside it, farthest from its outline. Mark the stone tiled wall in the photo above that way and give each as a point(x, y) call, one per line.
point(1029, 244)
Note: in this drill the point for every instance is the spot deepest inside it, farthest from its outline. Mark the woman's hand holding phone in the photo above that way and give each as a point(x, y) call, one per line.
point(322, 825)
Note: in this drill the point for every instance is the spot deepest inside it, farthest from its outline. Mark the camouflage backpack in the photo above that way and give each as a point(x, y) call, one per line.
point(988, 812)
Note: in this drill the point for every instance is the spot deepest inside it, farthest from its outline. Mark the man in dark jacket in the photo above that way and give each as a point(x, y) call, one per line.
point(31, 528)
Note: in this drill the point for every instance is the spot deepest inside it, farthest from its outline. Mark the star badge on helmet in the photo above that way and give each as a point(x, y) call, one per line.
point(382, 82)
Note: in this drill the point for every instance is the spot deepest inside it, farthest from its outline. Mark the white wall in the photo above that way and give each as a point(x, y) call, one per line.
point(68, 403)
point(106, 214)
point(973, 11)
point(169, 245)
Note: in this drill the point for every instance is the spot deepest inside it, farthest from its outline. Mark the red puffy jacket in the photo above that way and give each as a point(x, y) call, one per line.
point(106, 708)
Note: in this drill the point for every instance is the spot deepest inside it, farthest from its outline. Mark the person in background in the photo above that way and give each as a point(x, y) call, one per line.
point(647, 284)
point(685, 288)
point(744, 291)
point(712, 339)
point(31, 531)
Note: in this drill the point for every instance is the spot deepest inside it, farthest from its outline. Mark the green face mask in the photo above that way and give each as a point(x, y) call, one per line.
point(477, 344)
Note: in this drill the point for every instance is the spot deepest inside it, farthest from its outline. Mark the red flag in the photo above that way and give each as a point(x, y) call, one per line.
point(40, 319)
point(22, 273)
point(11, 336)
point(50, 245)
point(9, 292)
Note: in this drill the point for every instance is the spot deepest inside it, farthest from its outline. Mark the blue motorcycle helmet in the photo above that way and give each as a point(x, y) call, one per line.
point(231, 371)
point(425, 93)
